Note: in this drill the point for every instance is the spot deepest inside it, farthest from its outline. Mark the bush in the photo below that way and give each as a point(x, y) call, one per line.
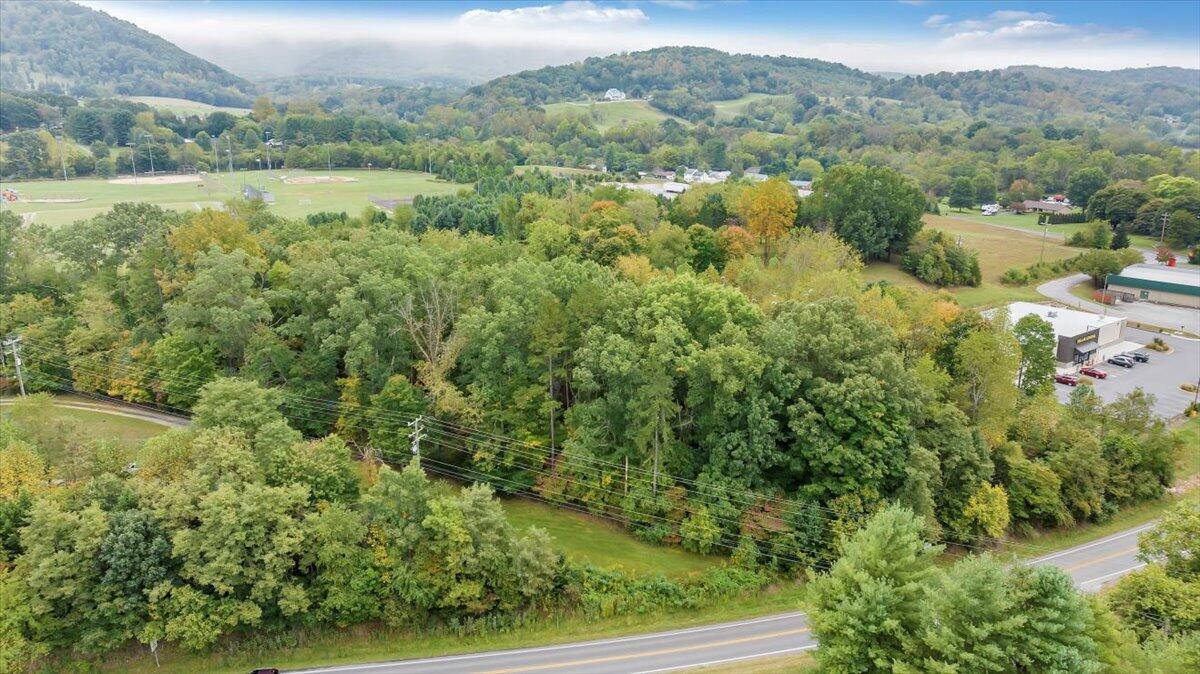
point(1095, 235)
point(1065, 218)
point(934, 258)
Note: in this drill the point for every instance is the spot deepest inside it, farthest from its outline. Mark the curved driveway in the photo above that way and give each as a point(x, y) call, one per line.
point(1092, 565)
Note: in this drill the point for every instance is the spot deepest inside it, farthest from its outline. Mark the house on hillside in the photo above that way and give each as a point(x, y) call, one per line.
point(614, 95)
point(803, 187)
point(693, 175)
point(1032, 206)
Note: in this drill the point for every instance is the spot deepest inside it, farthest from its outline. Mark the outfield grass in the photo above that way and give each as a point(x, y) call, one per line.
point(291, 200)
point(731, 108)
point(182, 106)
point(608, 114)
point(583, 538)
point(373, 643)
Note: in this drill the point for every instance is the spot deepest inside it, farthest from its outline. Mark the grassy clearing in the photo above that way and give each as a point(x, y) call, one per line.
point(561, 171)
point(1187, 464)
point(999, 250)
point(291, 200)
point(729, 109)
point(89, 424)
point(1025, 221)
point(374, 643)
point(608, 114)
point(583, 538)
point(182, 106)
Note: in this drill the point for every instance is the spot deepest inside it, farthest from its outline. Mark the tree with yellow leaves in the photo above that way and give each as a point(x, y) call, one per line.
point(769, 209)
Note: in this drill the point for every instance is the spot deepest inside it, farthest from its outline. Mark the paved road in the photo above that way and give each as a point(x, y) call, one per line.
point(1092, 565)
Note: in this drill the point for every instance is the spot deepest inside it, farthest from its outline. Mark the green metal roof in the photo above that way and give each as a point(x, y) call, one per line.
point(1162, 286)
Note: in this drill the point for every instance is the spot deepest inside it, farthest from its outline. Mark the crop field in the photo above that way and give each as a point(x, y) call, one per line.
point(729, 109)
point(609, 114)
point(182, 106)
point(999, 250)
point(54, 202)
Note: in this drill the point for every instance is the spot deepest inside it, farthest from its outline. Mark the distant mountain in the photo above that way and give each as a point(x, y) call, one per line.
point(61, 47)
point(1019, 93)
point(679, 80)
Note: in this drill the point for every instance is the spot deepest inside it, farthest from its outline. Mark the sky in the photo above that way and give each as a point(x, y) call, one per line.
point(260, 38)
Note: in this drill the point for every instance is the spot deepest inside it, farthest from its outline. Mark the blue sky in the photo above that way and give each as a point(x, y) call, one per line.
point(903, 36)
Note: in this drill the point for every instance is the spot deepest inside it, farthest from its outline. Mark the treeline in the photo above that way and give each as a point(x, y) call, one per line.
point(238, 526)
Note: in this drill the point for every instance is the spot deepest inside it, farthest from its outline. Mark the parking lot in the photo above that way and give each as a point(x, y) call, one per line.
point(1160, 377)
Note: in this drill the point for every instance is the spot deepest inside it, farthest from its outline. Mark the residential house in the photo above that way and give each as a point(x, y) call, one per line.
point(614, 95)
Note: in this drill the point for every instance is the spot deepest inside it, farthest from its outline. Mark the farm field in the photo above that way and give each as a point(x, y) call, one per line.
point(182, 106)
point(999, 249)
point(615, 113)
point(729, 109)
point(292, 200)
point(583, 538)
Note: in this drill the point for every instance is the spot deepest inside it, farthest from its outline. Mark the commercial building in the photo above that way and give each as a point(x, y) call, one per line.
point(1081, 335)
point(1156, 283)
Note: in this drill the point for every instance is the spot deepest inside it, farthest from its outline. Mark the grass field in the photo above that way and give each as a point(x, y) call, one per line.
point(614, 113)
point(80, 423)
point(729, 109)
point(182, 106)
point(999, 249)
point(561, 171)
point(583, 538)
point(291, 200)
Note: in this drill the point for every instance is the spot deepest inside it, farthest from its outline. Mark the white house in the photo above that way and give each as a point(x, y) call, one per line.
point(614, 95)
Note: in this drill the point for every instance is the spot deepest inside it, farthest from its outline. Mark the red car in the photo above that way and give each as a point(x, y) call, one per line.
point(1095, 373)
point(1068, 379)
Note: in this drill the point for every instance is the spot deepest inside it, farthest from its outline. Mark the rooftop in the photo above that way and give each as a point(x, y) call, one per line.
point(1068, 322)
point(1163, 274)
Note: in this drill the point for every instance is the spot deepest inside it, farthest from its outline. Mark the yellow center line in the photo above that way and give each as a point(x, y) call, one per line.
point(645, 654)
point(1099, 559)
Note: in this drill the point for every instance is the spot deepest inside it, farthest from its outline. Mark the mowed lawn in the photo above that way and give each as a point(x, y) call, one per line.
point(999, 250)
point(731, 108)
point(184, 107)
point(292, 200)
point(609, 114)
point(584, 538)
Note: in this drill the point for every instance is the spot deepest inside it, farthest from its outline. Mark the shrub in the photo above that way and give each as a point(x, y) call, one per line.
point(934, 258)
point(1095, 235)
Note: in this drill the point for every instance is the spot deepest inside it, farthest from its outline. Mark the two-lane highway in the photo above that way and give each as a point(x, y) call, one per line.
point(1092, 565)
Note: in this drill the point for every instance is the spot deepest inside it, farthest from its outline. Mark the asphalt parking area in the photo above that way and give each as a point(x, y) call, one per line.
point(1160, 377)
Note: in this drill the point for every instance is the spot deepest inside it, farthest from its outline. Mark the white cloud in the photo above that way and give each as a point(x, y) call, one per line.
point(678, 4)
point(563, 14)
point(935, 20)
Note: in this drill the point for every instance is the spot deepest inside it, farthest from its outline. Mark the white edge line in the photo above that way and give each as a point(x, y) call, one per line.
point(542, 649)
point(1110, 575)
point(1093, 544)
point(721, 662)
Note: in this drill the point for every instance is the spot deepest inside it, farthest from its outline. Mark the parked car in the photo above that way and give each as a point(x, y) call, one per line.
point(1139, 356)
point(1068, 379)
point(1095, 373)
point(1123, 361)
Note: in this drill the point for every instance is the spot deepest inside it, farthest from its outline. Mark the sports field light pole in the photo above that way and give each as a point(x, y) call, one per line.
point(133, 159)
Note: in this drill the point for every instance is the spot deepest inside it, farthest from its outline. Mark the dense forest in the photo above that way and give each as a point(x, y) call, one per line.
point(61, 47)
point(729, 384)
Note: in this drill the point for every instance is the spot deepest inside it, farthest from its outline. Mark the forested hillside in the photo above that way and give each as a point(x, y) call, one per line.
point(67, 48)
point(1167, 97)
point(679, 80)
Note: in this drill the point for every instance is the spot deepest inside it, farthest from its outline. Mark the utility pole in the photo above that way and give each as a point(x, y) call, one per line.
point(133, 159)
point(328, 161)
point(415, 424)
point(1162, 232)
point(550, 393)
point(14, 344)
point(268, 144)
point(1045, 229)
point(658, 416)
point(62, 151)
point(229, 144)
point(149, 151)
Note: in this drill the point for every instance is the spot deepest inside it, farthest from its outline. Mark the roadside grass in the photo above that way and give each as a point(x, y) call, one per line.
point(609, 114)
point(1083, 290)
point(87, 424)
point(1187, 464)
point(731, 108)
point(182, 106)
point(583, 538)
point(373, 643)
point(783, 664)
point(291, 200)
